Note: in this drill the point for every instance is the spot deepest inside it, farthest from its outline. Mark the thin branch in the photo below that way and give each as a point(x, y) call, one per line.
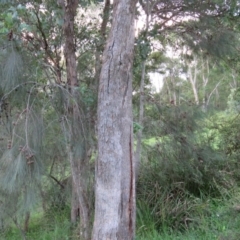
point(210, 95)
point(57, 181)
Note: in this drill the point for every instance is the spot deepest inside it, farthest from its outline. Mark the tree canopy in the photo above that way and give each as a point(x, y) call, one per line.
point(88, 103)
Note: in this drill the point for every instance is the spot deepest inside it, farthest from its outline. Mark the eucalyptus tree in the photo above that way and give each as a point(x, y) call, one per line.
point(49, 34)
point(205, 27)
point(210, 80)
point(115, 169)
point(144, 50)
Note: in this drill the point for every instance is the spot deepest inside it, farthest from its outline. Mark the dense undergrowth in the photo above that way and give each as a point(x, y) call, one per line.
point(218, 219)
point(188, 185)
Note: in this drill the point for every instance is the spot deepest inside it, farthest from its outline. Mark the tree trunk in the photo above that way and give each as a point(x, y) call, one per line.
point(74, 204)
point(100, 45)
point(193, 80)
point(173, 88)
point(26, 222)
point(76, 137)
point(141, 103)
point(115, 170)
point(140, 121)
point(205, 78)
point(79, 182)
point(169, 93)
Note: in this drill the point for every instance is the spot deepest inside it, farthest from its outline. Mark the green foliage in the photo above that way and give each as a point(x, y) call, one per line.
point(144, 47)
point(58, 196)
point(234, 100)
point(228, 128)
point(56, 226)
point(155, 59)
point(183, 163)
point(188, 156)
point(218, 220)
point(21, 164)
point(136, 127)
point(12, 67)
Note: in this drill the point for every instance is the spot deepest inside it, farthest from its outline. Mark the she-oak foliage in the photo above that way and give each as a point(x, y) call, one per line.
point(33, 86)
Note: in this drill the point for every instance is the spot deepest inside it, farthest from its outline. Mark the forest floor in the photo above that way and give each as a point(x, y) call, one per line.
point(221, 223)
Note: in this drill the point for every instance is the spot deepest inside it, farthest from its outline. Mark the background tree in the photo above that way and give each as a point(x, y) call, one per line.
point(50, 70)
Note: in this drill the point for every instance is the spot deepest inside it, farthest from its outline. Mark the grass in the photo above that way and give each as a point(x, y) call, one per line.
point(220, 222)
point(52, 227)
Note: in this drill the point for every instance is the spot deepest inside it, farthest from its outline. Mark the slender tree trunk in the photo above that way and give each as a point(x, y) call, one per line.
point(100, 46)
point(76, 134)
point(215, 90)
point(169, 92)
point(2, 223)
point(26, 222)
point(173, 88)
point(141, 103)
point(74, 204)
point(193, 80)
point(79, 182)
point(195, 93)
point(140, 121)
point(234, 83)
point(115, 170)
point(205, 78)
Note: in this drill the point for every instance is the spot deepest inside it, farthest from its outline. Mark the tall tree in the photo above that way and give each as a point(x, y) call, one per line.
point(76, 136)
point(141, 97)
point(115, 173)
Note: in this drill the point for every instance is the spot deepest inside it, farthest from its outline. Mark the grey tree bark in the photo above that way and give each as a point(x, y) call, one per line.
point(192, 77)
point(115, 169)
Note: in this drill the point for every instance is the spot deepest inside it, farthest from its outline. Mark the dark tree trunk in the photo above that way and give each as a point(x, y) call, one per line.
point(76, 135)
point(26, 222)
